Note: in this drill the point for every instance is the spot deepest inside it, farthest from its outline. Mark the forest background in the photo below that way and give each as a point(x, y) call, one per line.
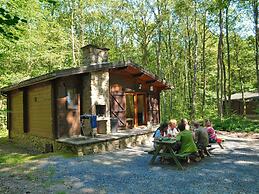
point(206, 49)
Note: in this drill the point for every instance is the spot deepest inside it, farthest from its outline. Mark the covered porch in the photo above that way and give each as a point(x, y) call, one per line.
point(135, 96)
point(83, 145)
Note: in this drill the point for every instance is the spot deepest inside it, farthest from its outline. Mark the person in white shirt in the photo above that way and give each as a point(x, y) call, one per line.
point(172, 130)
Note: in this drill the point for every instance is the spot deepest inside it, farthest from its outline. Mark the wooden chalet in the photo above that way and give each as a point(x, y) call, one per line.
point(250, 107)
point(122, 95)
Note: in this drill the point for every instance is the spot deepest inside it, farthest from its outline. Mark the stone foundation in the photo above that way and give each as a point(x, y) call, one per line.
point(89, 146)
point(35, 143)
point(109, 144)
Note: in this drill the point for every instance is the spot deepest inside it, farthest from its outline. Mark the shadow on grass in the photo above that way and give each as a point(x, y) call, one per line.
point(13, 154)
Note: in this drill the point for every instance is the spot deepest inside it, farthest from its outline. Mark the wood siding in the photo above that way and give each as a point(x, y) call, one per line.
point(153, 108)
point(39, 110)
point(118, 106)
point(251, 107)
point(16, 106)
point(68, 120)
point(130, 84)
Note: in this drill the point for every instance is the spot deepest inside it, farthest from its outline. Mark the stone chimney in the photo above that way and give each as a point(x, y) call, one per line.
point(93, 55)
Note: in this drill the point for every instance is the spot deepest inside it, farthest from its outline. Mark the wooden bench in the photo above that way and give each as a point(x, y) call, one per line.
point(168, 155)
point(167, 152)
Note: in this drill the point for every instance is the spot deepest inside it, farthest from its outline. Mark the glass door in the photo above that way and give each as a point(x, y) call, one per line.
point(135, 109)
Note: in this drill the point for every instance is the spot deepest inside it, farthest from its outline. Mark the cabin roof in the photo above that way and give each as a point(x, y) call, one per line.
point(247, 95)
point(129, 66)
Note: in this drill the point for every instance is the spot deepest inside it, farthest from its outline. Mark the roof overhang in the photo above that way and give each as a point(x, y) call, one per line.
point(144, 76)
point(247, 96)
point(133, 69)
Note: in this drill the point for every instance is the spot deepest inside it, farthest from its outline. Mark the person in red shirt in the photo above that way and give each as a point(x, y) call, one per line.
point(212, 134)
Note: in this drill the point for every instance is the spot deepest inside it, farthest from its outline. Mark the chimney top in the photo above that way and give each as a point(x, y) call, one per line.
point(93, 54)
point(95, 47)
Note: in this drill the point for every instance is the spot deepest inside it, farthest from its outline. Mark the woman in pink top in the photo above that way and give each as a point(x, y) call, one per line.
point(211, 132)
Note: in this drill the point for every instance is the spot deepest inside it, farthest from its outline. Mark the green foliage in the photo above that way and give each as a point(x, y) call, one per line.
point(8, 21)
point(160, 35)
point(236, 124)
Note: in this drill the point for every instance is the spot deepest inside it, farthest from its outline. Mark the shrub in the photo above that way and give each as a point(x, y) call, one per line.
point(235, 123)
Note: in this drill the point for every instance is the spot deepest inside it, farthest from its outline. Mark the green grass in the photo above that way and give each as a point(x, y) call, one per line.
point(236, 124)
point(12, 154)
point(3, 135)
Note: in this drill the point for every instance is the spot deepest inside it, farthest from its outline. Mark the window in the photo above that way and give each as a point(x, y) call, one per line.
point(72, 98)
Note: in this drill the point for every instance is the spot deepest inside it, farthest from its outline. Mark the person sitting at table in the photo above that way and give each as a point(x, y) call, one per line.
point(172, 130)
point(186, 124)
point(201, 139)
point(188, 146)
point(161, 131)
point(212, 133)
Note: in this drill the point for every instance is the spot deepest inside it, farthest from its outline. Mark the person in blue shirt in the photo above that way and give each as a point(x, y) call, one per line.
point(160, 132)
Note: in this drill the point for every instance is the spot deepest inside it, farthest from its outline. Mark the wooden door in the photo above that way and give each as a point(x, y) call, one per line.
point(141, 109)
point(136, 109)
point(68, 106)
point(118, 104)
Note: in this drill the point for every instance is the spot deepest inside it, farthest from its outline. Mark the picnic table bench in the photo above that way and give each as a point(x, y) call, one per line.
point(165, 145)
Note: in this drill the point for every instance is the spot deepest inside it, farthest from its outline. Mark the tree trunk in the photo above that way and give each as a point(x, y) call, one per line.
point(195, 65)
point(72, 34)
point(240, 75)
point(159, 34)
point(144, 54)
point(242, 91)
point(189, 68)
point(204, 65)
point(81, 9)
point(219, 67)
point(224, 86)
point(229, 66)
point(255, 8)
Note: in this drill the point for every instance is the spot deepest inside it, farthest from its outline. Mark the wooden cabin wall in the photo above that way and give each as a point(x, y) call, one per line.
point(16, 108)
point(251, 107)
point(153, 108)
point(235, 106)
point(130, 83)
point(68, 120)
point(39, 110)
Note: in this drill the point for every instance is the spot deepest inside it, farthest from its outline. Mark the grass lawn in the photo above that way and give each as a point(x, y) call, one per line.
point(12, 154)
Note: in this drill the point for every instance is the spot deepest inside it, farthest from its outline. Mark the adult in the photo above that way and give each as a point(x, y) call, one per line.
point(201, 139)
point(172, 130)
point(187, 143)
point(185, 123)
point(160, 132)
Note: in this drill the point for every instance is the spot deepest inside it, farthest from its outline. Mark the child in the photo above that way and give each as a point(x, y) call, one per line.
point(212, 134)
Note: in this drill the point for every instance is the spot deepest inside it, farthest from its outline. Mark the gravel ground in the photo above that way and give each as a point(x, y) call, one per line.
point(232, 170)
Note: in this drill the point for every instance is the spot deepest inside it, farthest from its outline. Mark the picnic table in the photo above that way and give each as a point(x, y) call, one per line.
point(164, 149)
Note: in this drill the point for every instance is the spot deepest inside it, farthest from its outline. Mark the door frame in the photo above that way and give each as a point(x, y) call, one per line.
point(135, 98)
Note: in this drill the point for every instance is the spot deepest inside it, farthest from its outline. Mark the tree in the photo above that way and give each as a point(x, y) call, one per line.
point(9, 22)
